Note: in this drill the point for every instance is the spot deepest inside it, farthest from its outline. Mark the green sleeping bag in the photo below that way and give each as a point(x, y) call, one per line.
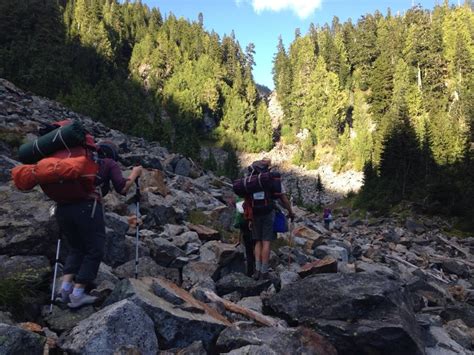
point(64, 137)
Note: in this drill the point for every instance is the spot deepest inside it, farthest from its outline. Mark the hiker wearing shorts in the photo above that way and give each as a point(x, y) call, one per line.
point(83, 225)
point(262, 224)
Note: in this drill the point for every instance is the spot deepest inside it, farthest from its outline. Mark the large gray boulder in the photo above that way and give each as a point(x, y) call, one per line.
point(120, 248)
point(26, 227)
point(359, 313)
point(120, 324)
point(229, 258)
point(146, 267)
point(14, 340)
point(177, 323)
point(299, 340)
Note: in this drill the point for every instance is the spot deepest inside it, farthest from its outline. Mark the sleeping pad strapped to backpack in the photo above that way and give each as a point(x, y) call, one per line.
point(69, 171)
point(259, 188)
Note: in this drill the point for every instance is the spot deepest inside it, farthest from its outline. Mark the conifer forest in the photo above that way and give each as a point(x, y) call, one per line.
point(388, 94)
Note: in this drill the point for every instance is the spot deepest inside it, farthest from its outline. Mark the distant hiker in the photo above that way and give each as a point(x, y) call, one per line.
point(242, 223)
point(327, 217)
point(75, 173)
point(84, 227)
point(261, 188)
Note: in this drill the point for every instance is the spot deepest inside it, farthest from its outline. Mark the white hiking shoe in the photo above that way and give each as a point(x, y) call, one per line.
point(63, 296)
point(79, 301)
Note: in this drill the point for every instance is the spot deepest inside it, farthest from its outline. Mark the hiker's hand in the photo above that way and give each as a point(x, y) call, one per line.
point(137, 171)
point(133, 221)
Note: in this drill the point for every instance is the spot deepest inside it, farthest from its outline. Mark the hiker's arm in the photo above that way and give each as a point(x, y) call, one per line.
point(136, 172)
point(287, 205)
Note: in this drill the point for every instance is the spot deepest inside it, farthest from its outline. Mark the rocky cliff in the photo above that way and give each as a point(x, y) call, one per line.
point(381, 286)
point(299, 181)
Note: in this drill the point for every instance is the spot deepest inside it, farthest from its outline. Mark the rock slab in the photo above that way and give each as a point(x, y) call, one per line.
point(120, 324)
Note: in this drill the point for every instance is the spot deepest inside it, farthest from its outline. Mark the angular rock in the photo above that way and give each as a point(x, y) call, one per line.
point(154, 181)
point(119, 248)
point(6, 318)
point(220, 253)
point(241, 283)
point(122, 323)
point(253, 350)
point(299, 340)
point(61, 320)
point(105, 274)
point(362, 266)
point(429, 291)
point(183, 167)
point(337, 252)
point(147, 161)
point(14, 340)
point(393, 235)
point(455, 267)
point(171, 323)
point(461, 333)
point(196, 348)
point(359, 313)
point(465, 312)
point(6, 165)
point(30, 269)
point(117, 223)
point(146, 267)
point(287, 277)
point(442, 344)
point(185, 238)
point(172, 230)
point(198, 271)
point(414, 226)
point(26, 227)
point(254, 303)
point(165, 252)
point(205, 233)
point(326, 265)
point(312, 238)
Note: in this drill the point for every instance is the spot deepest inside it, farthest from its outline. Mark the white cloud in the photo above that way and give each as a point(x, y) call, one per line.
point(303, 8)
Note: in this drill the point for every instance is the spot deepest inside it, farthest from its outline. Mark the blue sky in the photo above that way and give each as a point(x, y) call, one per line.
point(262, 21)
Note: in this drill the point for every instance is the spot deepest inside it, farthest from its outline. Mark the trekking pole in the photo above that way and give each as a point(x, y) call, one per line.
point(58, 248)
point(137, 201)
point(291, 235)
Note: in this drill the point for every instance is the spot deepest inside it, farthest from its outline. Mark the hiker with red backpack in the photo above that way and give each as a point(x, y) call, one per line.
point(261, 189)
point(76, 175)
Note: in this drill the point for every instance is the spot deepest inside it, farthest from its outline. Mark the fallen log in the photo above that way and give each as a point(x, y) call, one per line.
point(457, 247)
point(436, 257)
point(401, 261)
point(249, 313)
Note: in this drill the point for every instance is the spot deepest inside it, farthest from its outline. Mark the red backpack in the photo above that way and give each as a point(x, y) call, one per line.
point(65, 176)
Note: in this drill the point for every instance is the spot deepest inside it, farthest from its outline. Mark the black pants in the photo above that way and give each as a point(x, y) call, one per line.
point(249, 244)
point(85, 235)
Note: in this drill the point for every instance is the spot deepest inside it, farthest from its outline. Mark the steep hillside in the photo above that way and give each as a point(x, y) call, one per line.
point(362, 286)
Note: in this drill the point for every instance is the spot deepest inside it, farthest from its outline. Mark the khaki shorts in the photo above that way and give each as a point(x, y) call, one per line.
point(262, 227)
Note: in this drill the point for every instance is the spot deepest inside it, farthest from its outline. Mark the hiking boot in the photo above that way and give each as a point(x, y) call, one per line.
point(256, 275)
point(264, 276)
point(80, 301)
point(63, 296)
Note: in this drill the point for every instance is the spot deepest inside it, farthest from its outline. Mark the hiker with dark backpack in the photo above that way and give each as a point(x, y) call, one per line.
point(261, 188)
point(75, 173)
